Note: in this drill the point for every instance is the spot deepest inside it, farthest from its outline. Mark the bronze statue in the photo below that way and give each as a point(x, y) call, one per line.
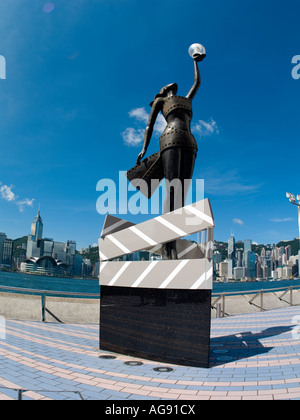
point(178, 147)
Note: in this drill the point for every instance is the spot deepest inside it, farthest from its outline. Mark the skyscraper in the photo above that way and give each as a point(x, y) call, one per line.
point(58, 255)
point(7, 253)
point(288, 251)
point(231, 247)
point(37, 227)
point(6, 250)
point(249, 264)
point(239, 258)
point(231, 250)
point(2, 239)
point(34, 242)
point(247, 245)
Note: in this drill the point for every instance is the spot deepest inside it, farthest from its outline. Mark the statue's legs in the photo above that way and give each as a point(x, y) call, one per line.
point(178, 167)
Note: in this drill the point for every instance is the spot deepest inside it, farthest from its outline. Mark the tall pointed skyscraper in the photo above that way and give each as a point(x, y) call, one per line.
point(231, 250)
point(231, 247)
point(35, 242)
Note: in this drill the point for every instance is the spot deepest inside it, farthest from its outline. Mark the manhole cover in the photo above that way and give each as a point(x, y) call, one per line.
point(163, 369)
point(132, 363)
point(106, 356)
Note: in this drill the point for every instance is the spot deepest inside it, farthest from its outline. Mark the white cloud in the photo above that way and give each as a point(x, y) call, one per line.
point(23, 203)
point(228, 183)
point(140, 114)
point(160, 124)
point(206, 128)
point(133, 137)
point(285, 219)
point(238, 221)
point(8, 195)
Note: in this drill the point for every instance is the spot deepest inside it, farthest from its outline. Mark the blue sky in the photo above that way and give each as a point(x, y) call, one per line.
point(81, 73)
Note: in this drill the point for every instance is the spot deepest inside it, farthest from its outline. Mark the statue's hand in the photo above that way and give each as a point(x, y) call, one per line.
point(140, 157)
point(199, 57)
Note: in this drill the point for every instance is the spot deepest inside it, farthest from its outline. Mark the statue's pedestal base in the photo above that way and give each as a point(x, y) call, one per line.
point(165, 325)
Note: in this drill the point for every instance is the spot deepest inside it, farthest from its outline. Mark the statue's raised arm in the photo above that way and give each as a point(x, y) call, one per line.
point(198, 53)
point(197, 81)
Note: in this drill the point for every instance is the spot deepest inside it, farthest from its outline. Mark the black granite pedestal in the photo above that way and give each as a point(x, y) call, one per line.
point(165, 325)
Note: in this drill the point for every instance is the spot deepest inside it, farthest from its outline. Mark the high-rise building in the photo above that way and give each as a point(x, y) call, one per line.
point(60, 255)
point(247, 245)
point(71, 252)
point(270, 265)
point(259, 273)
point(229, 268)
point(287, 272)
point(231, 249)
point(238, 273)
point(6, 250)
point(217, 258)
point(34, 242)
point(48, 247)
point(2, 239)
point(281, 251)
point(249, 264)
point(288, 251)
point(223, 270)
point(37, 227)
point(284, 259)
point(265, 272)
point(239, 258)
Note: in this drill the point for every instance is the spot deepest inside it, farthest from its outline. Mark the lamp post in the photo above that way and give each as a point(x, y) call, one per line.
point(292, 199)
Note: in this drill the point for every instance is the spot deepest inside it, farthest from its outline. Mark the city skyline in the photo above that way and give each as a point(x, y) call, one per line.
point(75, 101)
point(41, 254)
point(270, 262)
point(37, 217)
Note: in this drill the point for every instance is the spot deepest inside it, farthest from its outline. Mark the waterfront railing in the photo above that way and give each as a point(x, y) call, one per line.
point(219, 299)
point(44, 293)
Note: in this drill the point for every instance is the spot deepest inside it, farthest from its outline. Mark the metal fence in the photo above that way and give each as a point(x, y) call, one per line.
point(44, 293)
point(19, 394)
point(219, 300)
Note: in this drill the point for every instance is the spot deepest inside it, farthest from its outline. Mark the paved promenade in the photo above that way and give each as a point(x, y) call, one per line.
point(254, 356)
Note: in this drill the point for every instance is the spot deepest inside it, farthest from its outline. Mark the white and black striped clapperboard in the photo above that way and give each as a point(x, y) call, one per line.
point(193, 270)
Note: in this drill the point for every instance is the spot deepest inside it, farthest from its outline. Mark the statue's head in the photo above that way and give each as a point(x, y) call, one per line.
point(172, 87)
point(165, 91)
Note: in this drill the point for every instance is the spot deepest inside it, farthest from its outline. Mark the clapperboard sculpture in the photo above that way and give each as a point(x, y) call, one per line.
point(161, 309)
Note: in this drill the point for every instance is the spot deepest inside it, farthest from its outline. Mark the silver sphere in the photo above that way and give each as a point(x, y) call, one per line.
point(197, 50)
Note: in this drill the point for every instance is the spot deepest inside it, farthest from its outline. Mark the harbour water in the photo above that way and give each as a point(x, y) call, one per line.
point(63, 284)
point(60, 284)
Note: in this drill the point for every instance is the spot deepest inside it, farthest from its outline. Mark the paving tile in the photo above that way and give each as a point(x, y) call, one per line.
point(58, 357)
